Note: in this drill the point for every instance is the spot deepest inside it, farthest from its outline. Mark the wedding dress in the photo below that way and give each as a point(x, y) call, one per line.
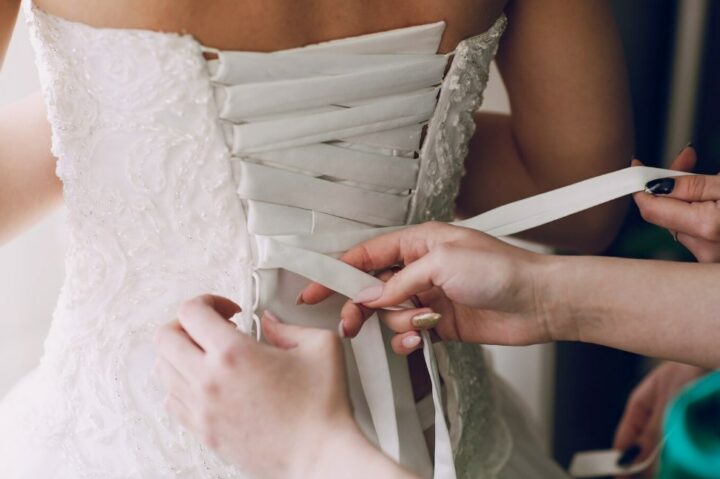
point(189, 170)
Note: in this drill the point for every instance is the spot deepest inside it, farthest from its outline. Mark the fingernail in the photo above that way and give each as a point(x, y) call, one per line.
point(369, 294)
point(629, 455)
point(426, 320)
point(341, 330)
point(688, 145)
point(299, 300)
point(270, 316)
point(411, 342)
point(662, 186)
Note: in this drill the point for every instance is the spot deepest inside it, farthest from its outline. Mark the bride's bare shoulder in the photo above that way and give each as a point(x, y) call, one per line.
point(276, 24)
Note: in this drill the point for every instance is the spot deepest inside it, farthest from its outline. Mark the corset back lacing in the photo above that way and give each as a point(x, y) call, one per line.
point(336, 131)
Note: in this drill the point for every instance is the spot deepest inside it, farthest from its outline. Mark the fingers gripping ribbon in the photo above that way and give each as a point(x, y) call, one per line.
point(309, 255)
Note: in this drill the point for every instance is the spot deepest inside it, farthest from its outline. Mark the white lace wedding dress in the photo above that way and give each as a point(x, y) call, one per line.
point(176, 166)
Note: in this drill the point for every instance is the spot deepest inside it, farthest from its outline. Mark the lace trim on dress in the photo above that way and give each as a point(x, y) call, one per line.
point(481, 439)
point(446, 147)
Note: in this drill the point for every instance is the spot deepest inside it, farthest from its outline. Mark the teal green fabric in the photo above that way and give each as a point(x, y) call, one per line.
point(692, 426)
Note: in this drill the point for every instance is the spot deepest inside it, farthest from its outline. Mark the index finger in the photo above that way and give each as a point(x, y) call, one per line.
point(205, 319)
point(374, 254)
point(173, 344)
point(403, 246)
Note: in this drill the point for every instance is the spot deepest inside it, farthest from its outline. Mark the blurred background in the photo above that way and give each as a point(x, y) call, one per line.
point(672, 49)
point(576, 392)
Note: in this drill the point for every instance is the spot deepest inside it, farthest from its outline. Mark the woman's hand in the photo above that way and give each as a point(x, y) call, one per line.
point(640, 428)
point(486, 291)
point(689, 206)
point(276, 410)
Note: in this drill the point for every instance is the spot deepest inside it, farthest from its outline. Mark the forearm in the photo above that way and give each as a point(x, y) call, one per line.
point(499, 173)
point(655, 308)
point(28, 184)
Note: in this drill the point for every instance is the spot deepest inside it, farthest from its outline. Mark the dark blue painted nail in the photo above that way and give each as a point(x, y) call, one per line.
point(629, 455)
point(662, 186)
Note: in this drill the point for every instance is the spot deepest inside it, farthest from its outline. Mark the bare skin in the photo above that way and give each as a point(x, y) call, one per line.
point(29, 188)
point(277, 24)
point(564, 72)
point(28, 185)
point(560, 60)
point(8, 14)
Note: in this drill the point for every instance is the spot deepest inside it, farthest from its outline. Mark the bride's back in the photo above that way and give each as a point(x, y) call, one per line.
point(277, 24)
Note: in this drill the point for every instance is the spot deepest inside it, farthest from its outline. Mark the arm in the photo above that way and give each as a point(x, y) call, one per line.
point(8, 16)
point(563, 67)
point(655, 308)
point(28, 184)
point(485, 291)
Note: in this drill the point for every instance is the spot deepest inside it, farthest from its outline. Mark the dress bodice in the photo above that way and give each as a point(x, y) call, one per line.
point(242, 176)
point(173, 165)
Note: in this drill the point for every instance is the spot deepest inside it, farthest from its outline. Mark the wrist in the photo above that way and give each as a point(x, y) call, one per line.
point(337, 449)
point(345, 453)
point(552, 284)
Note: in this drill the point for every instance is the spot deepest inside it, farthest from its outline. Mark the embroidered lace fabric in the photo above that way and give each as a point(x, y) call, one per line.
point(154, 218)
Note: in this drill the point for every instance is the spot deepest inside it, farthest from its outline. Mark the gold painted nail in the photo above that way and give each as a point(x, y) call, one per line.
point(426, 320)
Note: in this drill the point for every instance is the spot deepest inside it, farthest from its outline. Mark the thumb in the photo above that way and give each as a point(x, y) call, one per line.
point(413, 279)
point(281, 335)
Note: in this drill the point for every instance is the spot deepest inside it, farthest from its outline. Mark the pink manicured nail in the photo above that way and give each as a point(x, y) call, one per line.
point(369, 294)
point(411, 342)
point(271, 317)
point(341, 330)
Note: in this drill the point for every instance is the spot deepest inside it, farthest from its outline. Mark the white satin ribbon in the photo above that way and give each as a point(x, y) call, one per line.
point(325, 137)
point(296, 253)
